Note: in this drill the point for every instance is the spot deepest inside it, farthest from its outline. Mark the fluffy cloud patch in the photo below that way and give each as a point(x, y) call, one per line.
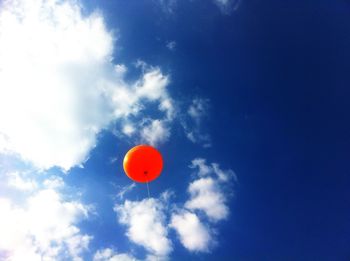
point(193, 234)
point(43, 227)
point(206, 196)
point(207, 191)
point(155, 132)
point(48, 81)
point(128, 129)
point(152, 86)
point(60, 88)
point(145, 221)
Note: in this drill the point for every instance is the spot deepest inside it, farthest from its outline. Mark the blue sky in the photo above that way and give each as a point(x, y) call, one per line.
point(246, 100)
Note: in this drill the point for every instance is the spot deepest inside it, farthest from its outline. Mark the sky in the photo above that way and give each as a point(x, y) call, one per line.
point(247, 101)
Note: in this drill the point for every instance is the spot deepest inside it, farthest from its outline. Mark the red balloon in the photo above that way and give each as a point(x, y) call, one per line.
point(143, 163)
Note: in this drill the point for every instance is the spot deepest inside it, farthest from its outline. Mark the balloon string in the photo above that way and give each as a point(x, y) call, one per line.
point(148, 190)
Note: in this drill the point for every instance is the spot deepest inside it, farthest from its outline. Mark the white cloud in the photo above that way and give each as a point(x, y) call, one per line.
point(223, 175)
point(193, 125)
point(120, 69)
point(167, 195)
point(60, 88)
point(38, 221)
point(167, 106)
point(16, 180)
point(48, 81)
point(145, 223)
point(155, 132)
point(125, 190)
point(151, 257)
point(152, 85)
point(198, 109)
point(203, 168)
point(28, 181)
point(109, 254)
point(192, 233)
point(207, 193)
point(222, 2)
point(54, 182)
point(44, 227)
point(206, 196)
point(225, 6)
point(128, 129)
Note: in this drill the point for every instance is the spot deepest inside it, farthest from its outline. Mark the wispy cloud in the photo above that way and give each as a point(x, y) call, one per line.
point(109, 254)
point(193, 122)
point(171, 45)
point(198, 109)
point(204, 169)
point(167, 6)
point(125, 190)
point(227, 6)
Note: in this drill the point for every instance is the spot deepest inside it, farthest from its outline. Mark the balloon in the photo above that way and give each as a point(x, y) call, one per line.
point(143, 163)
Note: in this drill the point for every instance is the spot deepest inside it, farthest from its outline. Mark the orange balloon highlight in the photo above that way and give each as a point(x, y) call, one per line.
point(143, 163)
